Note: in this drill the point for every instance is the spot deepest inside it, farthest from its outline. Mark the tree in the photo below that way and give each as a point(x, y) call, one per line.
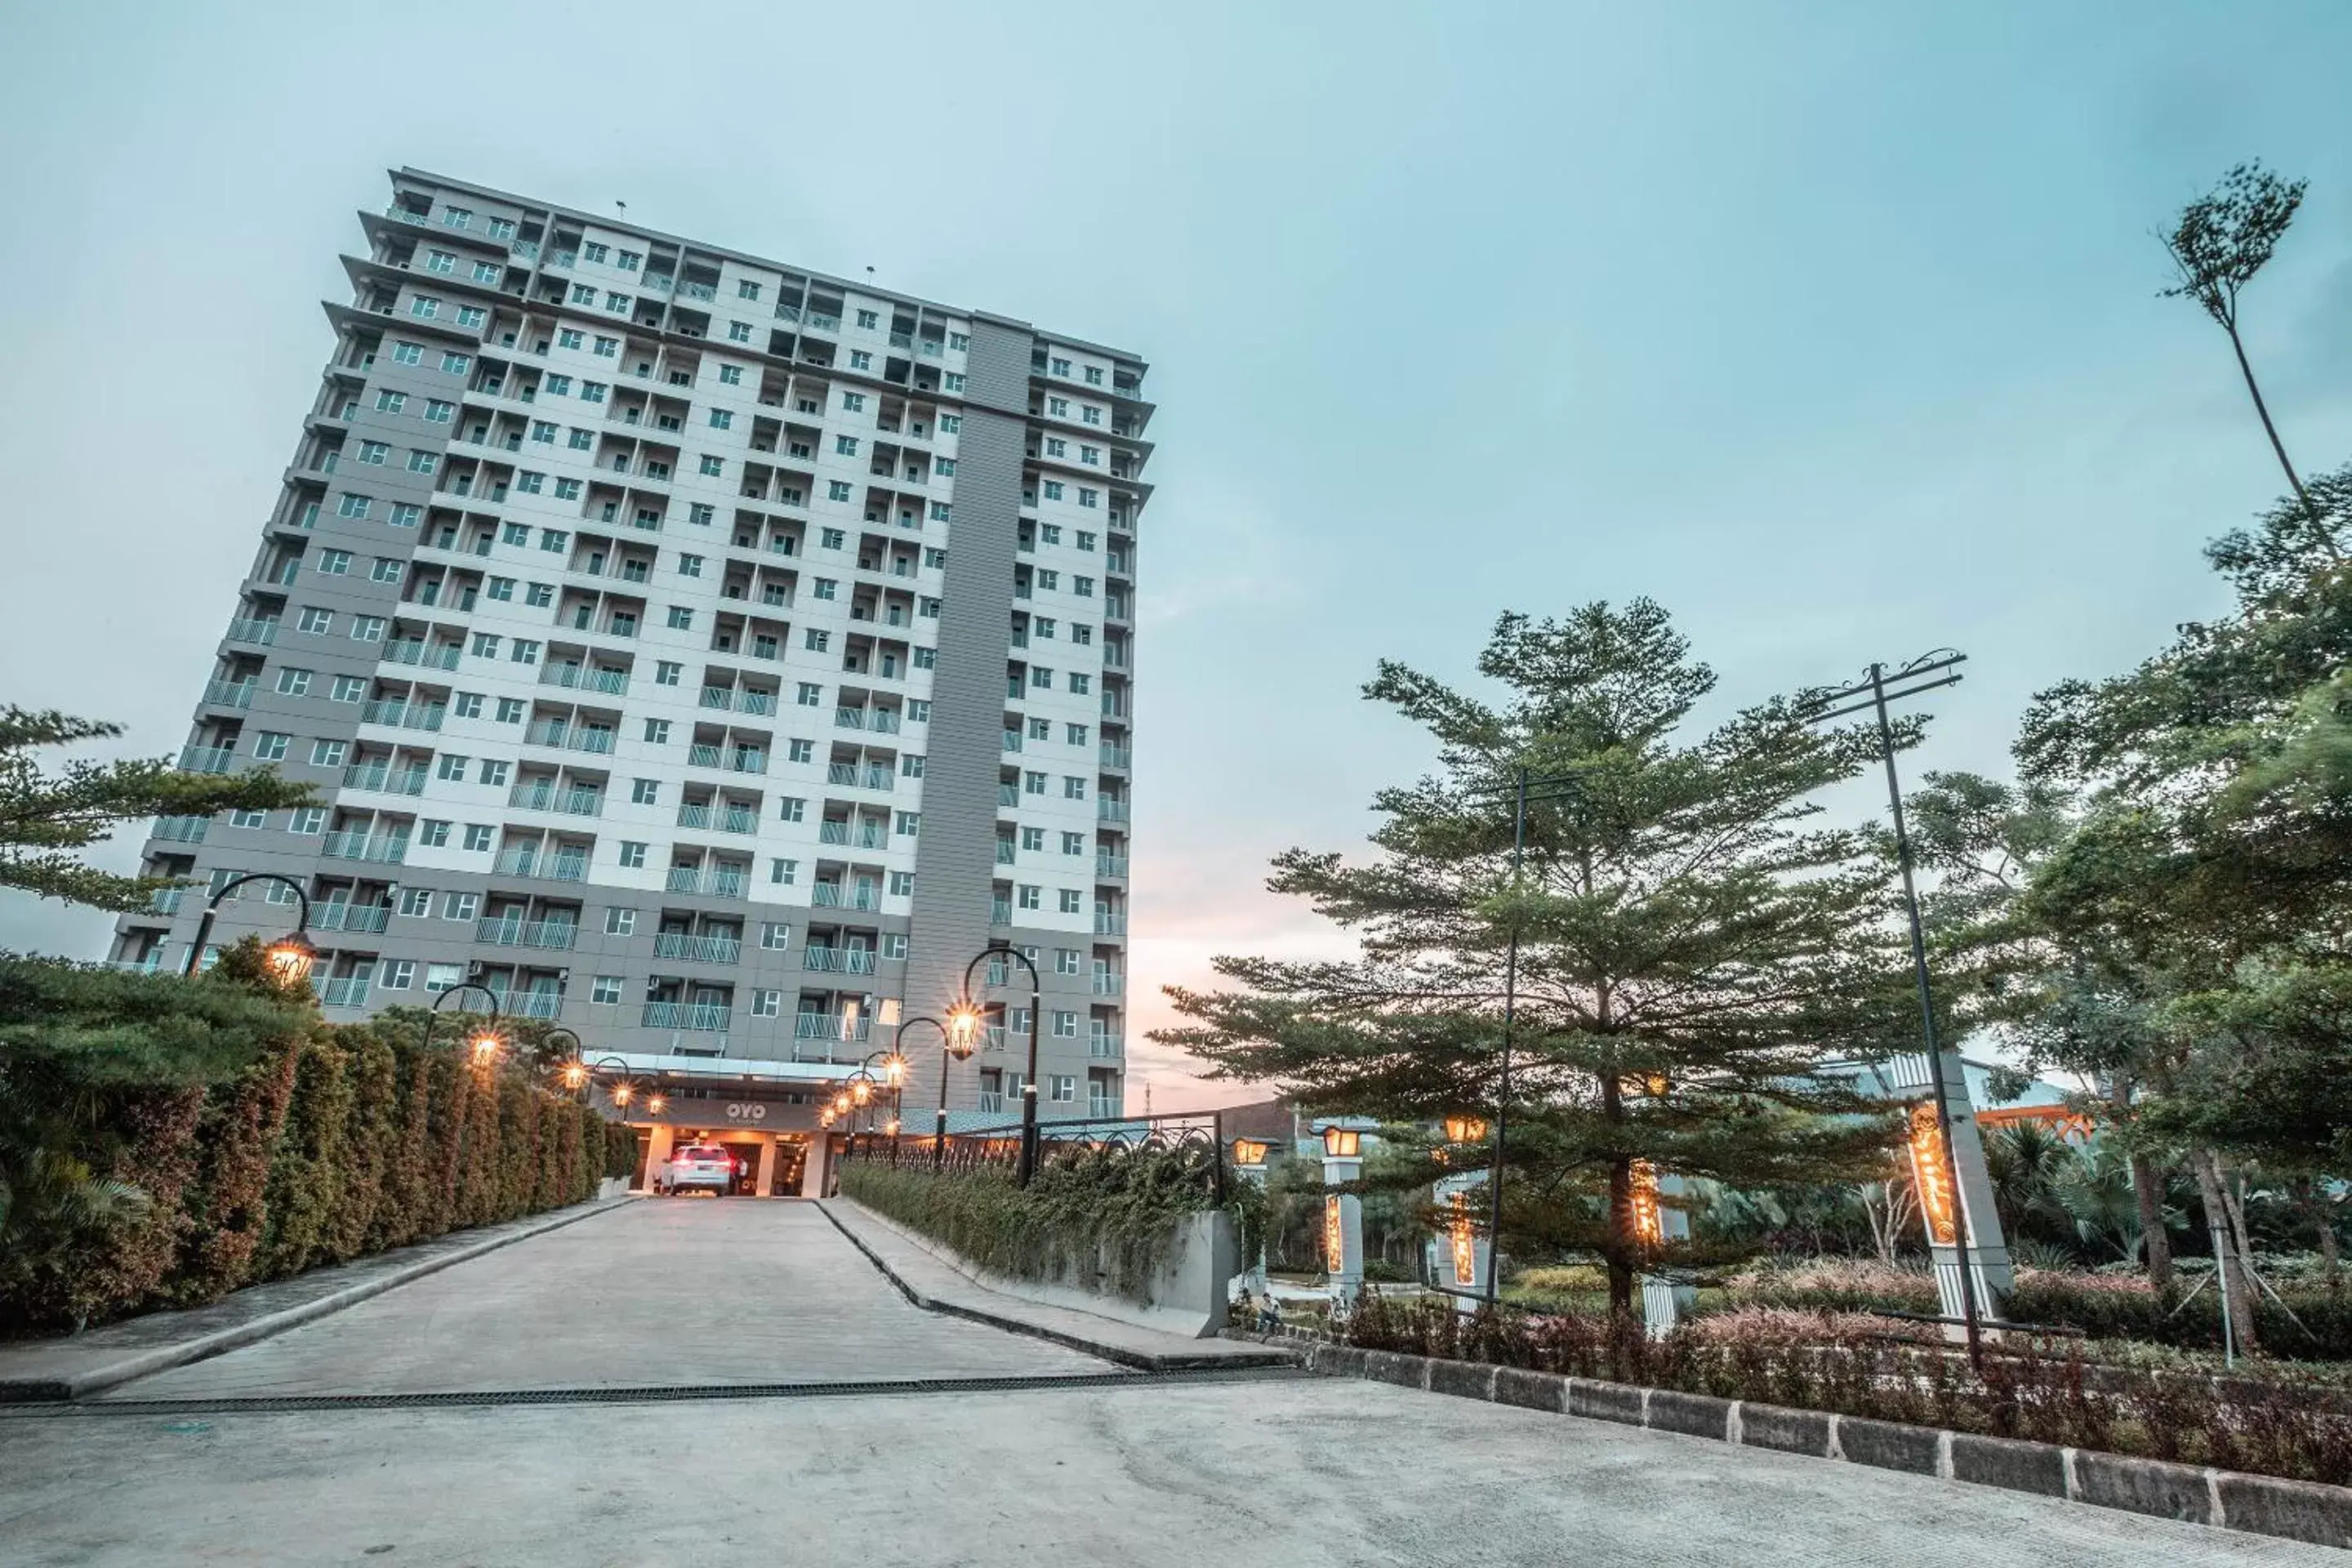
point(2218, 244)
point(46, 819)
point(1691, 945)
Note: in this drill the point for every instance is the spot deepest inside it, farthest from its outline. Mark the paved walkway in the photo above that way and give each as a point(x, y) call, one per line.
point(663, 1291)
point(1300, 1474)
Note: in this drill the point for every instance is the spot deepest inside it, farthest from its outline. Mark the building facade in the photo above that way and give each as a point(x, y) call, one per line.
point(706, 653)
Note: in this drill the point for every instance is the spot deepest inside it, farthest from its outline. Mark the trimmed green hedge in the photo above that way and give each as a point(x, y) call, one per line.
point(122, 1190)
point(1120, 1206)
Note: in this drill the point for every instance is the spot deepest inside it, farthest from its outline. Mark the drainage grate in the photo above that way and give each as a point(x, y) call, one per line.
point(661, 1394)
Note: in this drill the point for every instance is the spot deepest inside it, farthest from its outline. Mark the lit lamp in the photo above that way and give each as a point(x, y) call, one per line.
point(289, 958)
point(861, 1091)
point(964, 1021)
point(1464, 1240)
point(1666, 1298)
point(894, 1069)
point(1343, 1216)
point(1931, 1174)
point(575, 1073)
point(655, 1106)
point(486, 1048)
point(1465, 1129)
point(1249, 1153)
point(1649, 1226)
point(621, 1094)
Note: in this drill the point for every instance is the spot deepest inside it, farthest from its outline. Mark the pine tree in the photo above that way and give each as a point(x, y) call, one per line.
point(1691, 943)
point(45, 820)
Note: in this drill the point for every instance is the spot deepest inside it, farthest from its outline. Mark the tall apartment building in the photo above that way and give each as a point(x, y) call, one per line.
point(701, 651)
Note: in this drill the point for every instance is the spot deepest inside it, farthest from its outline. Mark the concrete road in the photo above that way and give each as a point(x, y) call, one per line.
point(1295, 1474)
point(674, 1291)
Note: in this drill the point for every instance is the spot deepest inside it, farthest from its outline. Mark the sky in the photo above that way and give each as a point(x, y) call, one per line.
point(1832, 327)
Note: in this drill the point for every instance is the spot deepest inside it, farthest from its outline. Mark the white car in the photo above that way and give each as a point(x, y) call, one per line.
point(704, 1165)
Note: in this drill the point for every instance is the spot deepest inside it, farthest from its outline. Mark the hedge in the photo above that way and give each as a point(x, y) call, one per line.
point(330, 1143)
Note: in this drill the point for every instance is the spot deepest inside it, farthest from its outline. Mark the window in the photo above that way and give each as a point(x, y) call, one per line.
point(567, 489)
point(1074, 788)
point(406, 516)
point(556, 541)
point(243, 819)
point(425, 306)
point(745, 289)
point(1094, 375)
point(1032, 839)
point(310, 819)
point(1060, 367)
point(1080, 683)
point(825, 587)
point(580, 440)
point(782, 872)
point(926, 659)
point(486, 644)
point(894, 944)
point(1081, 633)
point(1053, 490)
point(385, 570)
point(543, 430)
point(657, 732)
point(452, 767)
point(918, 712)
point(608, 347)
point(836, 490)
point(376, 452)
point(816, 642)
point(433, 834)
point(1062, 1087)
point(441, 976)
point(557, 386)
point(349, 689)
point(801, 752)
point(293, 682)
point(538, 596)
point(456, 363)
point(853, 402)
point(594, 252)
point(831, 539)
point(1084, 587)
point(460, 906)
point(1040, 729)
point(1049, 581)
point(328, 753)
point(767, 1004)
point(1029, 896)
point(1085, 539)
point(731, 374)
point(1075, 734)
point(959, 340)
point(738, 331)
point(510, 710)
point(397, 973)
point(680, 618)
point(1040, 678)
point(700, 514)
point(438, 411)
point(868, 321)
point(667, 672)
point(845, 444)
point(1056, 448)
point(790, 808)
point(620, 923)
point(605, 991)
point(477, 838)
point(713, 466)
point(810, 695)
point(1089, 454)
point(1088, 497)
point(616, 303)
point(514, 533)
point(910, 822)
point(860, 359)
point(632, 856)
point(315, 620)
point(630, 260)
point(902, 884)
point(472, 316)
point(407, 354)
point(416, 902)
point(570, 338)
point(593, 391)
point(1070, 905)
point(467, 705)
point(912, 767)
point(1065, 1027)
point(494, 773)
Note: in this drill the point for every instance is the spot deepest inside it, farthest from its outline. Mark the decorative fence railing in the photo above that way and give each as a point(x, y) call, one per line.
point(999, 1148)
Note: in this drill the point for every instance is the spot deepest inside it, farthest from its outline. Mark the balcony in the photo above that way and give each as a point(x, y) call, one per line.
point(849, 774)
point(570, 865)
point(570, 737)
point(829, 1026)
point(1108, 865)
point(258, 631)
point(207, 759)
point(572, 677)
point(999, 912)
point(1109, 982)
point(838, 959)
point(378, 778)
point(147, 963)
point(412, 651)
point(359, 845)
point(1118, 756)
point(992, 1100)
point(1004, 852)
point(705, 1015)
point(1101, 1106)
point(400, 713)
point(338, 915)
point(536, 1004)
point(1011, 740)
point(180, 829)
point(164, 900)
point(1109, 810)
point(348, 991)
point(1107, 924)
point(833, 896)
point(229, 693)
point(724, 882)
point(1008, 795)
point(513, 931)
point(697, 949)
point(1103, 1046)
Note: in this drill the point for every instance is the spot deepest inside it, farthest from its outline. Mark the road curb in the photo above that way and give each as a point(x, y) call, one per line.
point(1117, 1355)
point(163, 1357)
point(2254, 1504)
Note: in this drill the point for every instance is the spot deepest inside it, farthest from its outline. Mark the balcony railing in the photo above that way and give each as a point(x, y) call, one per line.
point(358, 844)
point(1103, 1047)
point(146, 964)
point(1008, 795)
point(725, 883)
point(513, 930)
point(411, 650)
point(999, 912)
point(400, 713)
point(229, 693)
point(1011, 740)
point(829, 1026)
point(259, 631)
point(1107, 810)
point(705, 1015)
point(1004, 852)
point(180, 829)
point(1109, 925)
point(207, 759)
point(1118, 756)
point(380, 778)
point(1109, 864)
point(344, 916)
point(838, 959)
point(1109, 982)
point(570, 737)
point(536, 1004)
point(698, 949)
point(832, 895)
point(164, 900)
point(348, 991)
point(574, 676)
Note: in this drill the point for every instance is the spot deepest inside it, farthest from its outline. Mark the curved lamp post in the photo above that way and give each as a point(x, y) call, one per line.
point(488, 1044)
point(956, 1043)
point(291, 956)
point(570, 1071)
point(999, 947)
point(628, 1082)
point(893, 1078)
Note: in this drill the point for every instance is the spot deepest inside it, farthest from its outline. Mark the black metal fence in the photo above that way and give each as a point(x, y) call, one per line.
point(999, 1148)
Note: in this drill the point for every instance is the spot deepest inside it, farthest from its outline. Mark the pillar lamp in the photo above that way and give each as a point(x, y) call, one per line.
point(1343, 1216)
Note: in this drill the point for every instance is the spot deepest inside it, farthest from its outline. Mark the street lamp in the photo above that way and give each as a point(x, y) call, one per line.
point(1249, 1153)
point(999, 947)
point(1342, 1144)
point(291, 956)
point(570, 1071)
point(1464, 1129)
point(485, 1043)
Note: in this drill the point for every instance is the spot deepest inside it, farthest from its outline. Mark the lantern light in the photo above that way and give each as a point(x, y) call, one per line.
point(575, 1074)
point(289, 958)
point(1649, 1225)
point(487, 1047)
point(894, 1069)
point(1250, 1152)
point(1931, 1174)
point(654, 1105)
point(1342, 1142)
point(621, 1094)
point(1465, 1129)
point(963, 1028)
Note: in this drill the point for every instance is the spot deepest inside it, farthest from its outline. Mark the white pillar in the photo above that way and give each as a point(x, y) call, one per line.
point(767, 1176)
point(1989, 1262)
point(1343, 1231)
point(817, 1166)
point(1462, 1254)
point(656, 1155)
point(1667, 1298)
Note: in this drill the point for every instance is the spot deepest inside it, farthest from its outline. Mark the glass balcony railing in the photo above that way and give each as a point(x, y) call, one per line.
point(180, 829)
point(1109, 983)
point(259, 631)
point(1109, 864)
point(513, 931)
point(1107, 810)
point(838, 959)
point(999, 912)
point(1109, 925)
point(229, 693)
point(362, 918)
point(1008, 795)
point(207, 759)
point(705, 1015)
point(1116, 756)
point(346, 991)
point(1103, 1047)
point(1004, 852)
point(697, 949)
point(829, 1026)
